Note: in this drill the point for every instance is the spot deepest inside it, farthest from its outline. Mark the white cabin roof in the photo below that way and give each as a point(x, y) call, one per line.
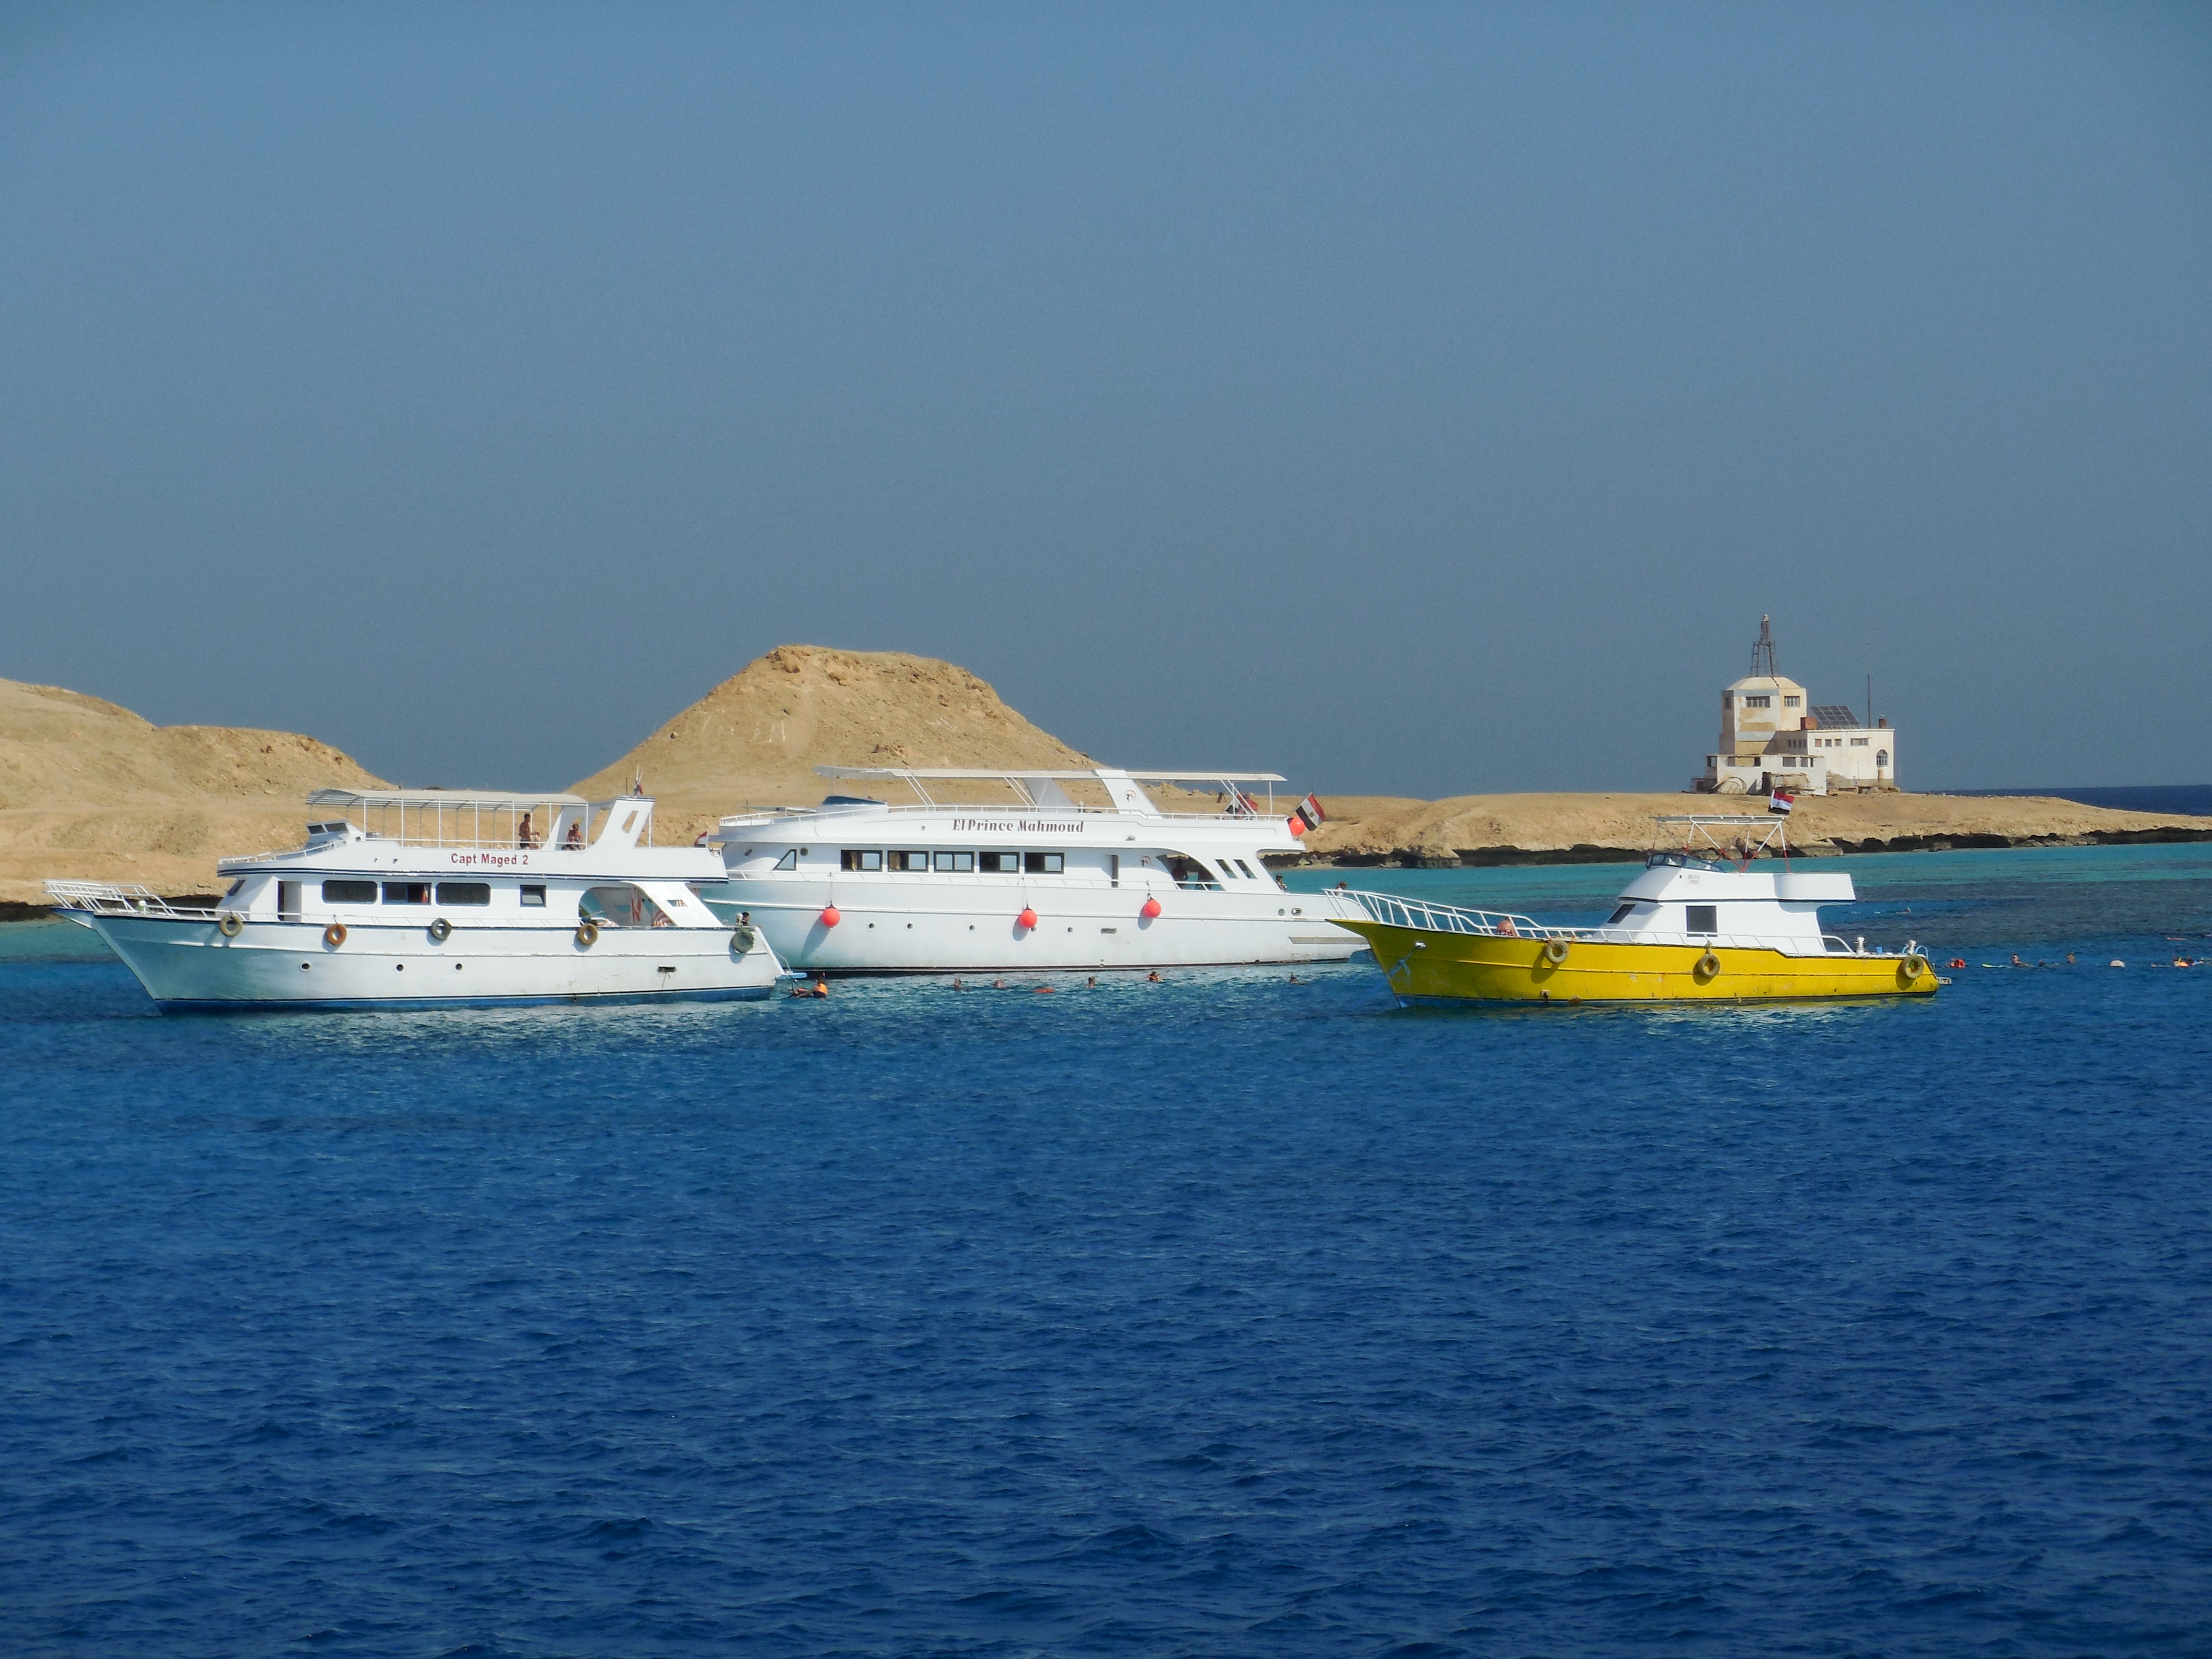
point(1011, 771)
point(491, 802)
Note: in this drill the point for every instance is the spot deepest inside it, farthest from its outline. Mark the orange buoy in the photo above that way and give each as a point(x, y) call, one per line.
point(1297, 827)
point(829, 916)
point(1151, 909)
point(1027, 919)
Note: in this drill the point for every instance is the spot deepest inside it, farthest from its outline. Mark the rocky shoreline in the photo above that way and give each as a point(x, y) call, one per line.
point(1489, 831)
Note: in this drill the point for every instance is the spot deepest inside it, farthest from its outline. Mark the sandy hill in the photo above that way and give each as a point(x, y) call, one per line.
point(757, 738)
point(90, 789)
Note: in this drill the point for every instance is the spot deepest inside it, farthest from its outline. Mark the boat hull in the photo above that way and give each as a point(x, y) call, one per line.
point(1425, 966)
point(190, 965)
point(887, 928)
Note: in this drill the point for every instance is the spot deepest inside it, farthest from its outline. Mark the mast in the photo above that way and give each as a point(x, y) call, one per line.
point(1762, 655)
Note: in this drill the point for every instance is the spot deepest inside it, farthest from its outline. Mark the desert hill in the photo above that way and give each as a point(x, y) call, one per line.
point(757, 738)
point(90, 789)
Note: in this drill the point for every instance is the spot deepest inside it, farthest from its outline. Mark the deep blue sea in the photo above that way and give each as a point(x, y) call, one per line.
point(1223, 1316)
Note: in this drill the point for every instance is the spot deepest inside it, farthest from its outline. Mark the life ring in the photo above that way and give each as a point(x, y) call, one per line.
point(1708, 965)
point(1555, 952)
point(1910, 969)
point(587, 933)
point(334, 935)
point(230, 924)
point(742, 938)
point(440, 930)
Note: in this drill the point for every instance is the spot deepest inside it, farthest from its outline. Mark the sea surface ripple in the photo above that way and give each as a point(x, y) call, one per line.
point(1223, 1316)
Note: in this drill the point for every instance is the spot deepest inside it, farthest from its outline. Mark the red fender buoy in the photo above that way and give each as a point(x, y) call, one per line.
point(1027, 919)
point(1151, 909)
point(829, 916)
point(1297, 827)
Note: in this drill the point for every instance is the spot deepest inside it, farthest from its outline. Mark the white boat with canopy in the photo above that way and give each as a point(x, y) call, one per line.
point(437, 898)
point(966, 870)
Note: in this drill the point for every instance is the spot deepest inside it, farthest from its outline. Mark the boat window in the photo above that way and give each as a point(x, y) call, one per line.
point(1704, 918)
point(349, 892)
point(1621, 914)
point(464, 892)
point(533, 893)
point(910, 860)
point(959, 863)
point(622, 906)
point(789, 860)
point(1045, 864)
point(231, 891)
point(852, 859)
point(1246, 868)
point(406, 892)
point(1003, 863)
point(1187, 871)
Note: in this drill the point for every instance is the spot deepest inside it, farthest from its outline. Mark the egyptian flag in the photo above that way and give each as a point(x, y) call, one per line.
point(1780, 802)
point(1309, 811)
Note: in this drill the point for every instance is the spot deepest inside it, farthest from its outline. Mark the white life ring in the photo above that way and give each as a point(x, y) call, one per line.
point(587, 933)
point(230, 924)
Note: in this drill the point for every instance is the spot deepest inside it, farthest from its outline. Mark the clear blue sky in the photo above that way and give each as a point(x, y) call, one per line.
point(1416, 398)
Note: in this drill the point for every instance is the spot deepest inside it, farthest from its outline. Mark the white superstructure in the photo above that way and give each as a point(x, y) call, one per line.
point(1065, 869)
point(438, 897)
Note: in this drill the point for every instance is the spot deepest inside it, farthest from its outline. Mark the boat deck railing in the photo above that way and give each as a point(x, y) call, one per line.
point(1419, 916)
point(771, 815)
point(106, 899)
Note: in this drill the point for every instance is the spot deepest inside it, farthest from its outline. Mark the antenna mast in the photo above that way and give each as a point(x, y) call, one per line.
point(1762, 655)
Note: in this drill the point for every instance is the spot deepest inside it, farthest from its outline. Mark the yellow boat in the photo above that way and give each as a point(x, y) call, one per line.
point(1693, 927)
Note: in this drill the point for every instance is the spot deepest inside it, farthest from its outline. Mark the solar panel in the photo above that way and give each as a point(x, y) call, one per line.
point(1834, 713)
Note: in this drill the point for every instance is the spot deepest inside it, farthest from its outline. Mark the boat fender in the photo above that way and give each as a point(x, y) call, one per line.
point(1151, 907)
point(334, 935)
point(1708, 965)
point(829, 916)
point(742, 938)
point(231, 925)
point(441, 931)
point(1912, 968)
point(1027, 919)
point(587, 933)
point(1555, 952)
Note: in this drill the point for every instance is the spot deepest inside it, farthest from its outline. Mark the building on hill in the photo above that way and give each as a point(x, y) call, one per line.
point(1773, 737)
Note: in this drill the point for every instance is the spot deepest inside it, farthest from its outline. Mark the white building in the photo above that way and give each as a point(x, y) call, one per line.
point(1772, 736)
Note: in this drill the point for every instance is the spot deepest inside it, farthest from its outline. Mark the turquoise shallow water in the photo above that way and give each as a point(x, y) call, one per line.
point(1225, 1315)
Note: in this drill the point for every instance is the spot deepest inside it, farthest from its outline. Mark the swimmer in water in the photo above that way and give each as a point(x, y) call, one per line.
point(1153, 978)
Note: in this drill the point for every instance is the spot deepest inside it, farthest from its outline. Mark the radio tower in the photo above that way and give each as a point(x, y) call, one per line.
point(1762, 655)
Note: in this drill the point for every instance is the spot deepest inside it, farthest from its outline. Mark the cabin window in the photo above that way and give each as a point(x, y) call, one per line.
point(1704, 918)
point(349, 892)
point(789, 860)
point(1187, 871)
point(533, 895)
point(852, 859)
point(910, 860)
point(464, 892)
point(1113, 869)
point(287, 900)
point(1246, 869)
point(231, 891)
point(1621, 914)
point(622, 906)
point(406, 892)
point(1001, 863)
point(1044, 864)
point(959, 863)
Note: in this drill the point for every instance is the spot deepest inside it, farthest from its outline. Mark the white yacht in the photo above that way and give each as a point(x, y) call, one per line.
point(1050, 871)
point(433, 898)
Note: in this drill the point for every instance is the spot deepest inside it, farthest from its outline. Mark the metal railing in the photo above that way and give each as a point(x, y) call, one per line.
point(1420, 916)
point(107, 899)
